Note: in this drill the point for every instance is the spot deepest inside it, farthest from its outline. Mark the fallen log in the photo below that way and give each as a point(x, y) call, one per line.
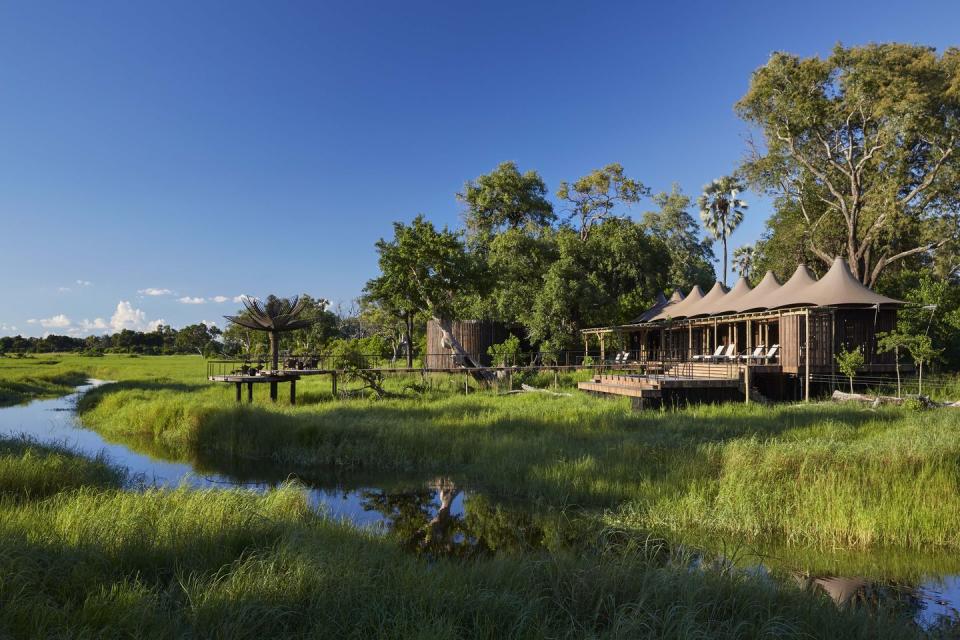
point(525, 388)
point(875, 401)
point(840, 396)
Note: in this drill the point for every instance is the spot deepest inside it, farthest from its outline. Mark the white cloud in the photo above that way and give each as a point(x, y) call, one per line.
point(209, 323)
point(64, 289)
point(58, 321)
point(220, 299)
point(189, 300)
point(126, 317)
point(84, 283)
point(7, 327)
point(152, 291)
point(97, 324)
point(240, 298)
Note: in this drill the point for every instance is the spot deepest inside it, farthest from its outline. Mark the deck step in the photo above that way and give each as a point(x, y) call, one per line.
point(630, 390)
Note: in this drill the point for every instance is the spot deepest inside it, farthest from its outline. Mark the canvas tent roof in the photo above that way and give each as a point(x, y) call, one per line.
point(672, 311)
point(838, 287)
point(754, 299)
point(727, 303)
point(793, 291)
point(706, 303)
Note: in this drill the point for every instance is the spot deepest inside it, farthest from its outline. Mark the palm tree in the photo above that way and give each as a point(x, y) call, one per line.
point(722, 211)
point(743, 258)
point(275, 315)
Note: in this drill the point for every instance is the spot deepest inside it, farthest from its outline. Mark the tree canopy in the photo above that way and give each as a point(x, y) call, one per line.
point(862, 149)
point(505, 199)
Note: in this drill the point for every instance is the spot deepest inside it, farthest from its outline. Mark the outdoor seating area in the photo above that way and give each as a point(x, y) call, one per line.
point(790, 330)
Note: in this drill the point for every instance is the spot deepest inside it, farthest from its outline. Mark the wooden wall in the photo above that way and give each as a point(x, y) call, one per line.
point(475, 336)
point(791, 334)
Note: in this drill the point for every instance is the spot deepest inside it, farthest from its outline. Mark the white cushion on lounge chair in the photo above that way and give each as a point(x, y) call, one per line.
point(704, 356)
point(730, 354)
point(756, 355)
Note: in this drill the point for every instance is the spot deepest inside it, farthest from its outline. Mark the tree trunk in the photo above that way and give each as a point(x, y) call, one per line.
point(920, 380)
point(275, 349)
point(464, 358)
point(724, 259)
point(409, 337)
point(896, 354)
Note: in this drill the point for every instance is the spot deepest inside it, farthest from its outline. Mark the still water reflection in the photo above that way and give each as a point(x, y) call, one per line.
point(439, 517)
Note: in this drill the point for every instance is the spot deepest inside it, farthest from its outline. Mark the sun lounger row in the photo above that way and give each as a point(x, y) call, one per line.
point(727, 353)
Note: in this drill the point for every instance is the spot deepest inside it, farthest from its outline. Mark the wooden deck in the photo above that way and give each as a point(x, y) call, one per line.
point(680, 382)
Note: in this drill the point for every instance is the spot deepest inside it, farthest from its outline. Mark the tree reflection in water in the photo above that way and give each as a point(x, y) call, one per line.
point(426, 521)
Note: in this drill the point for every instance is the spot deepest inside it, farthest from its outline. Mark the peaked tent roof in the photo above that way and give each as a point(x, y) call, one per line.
point(703, 307)
point(793, 291)
point(728, 303)
point(755, 298)
point(658, 304)
point(838, 287)
point(673, 310)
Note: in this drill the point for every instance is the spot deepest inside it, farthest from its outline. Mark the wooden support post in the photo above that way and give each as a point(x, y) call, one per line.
point(293, 392)
point(273, 392)
point(239, 391)
point(602, 349)
point(333, 384)
point(249, 392)
point(746, 371)
point(806, 360)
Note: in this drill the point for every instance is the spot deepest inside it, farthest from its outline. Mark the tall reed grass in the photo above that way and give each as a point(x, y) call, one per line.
point(94, 560)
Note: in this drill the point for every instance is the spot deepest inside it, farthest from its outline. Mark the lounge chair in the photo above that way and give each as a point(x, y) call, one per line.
point(771, 355)
point(706, 357)
point(730, 355)
point(756, 355)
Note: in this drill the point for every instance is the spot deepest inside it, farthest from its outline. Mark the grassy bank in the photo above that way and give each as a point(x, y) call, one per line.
point(92, 560)
point(821, 475)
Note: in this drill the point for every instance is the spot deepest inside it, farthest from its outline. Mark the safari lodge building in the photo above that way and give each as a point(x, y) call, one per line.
point(772, 339)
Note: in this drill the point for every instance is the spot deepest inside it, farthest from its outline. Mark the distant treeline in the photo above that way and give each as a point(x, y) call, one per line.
point(375, 331)
point(194, 338)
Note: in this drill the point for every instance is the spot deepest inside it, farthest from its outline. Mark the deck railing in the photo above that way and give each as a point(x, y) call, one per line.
point(649, 363)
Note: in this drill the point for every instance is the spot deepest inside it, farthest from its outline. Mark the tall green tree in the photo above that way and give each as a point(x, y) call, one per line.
point(607, 279)
point(596, 196)
point(504, 199)
point(721, 210)
point(691, 253)
point(428, 270)
point(864, 144)
point(743, 260)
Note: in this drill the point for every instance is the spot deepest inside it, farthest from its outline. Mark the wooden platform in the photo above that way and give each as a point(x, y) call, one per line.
point(279, 377)
point(651, 390)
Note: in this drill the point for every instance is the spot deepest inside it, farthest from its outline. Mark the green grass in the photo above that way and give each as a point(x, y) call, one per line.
point(90, 559)
point(826, 475)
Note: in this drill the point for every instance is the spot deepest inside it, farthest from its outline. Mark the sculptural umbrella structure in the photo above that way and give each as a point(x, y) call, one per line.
point(275, 315)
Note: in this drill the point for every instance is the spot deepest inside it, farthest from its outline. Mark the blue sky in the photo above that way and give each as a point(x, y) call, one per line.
point(212, 149)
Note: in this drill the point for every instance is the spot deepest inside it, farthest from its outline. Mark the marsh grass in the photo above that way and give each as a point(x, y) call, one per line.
point(823, 474)
point(93, 560)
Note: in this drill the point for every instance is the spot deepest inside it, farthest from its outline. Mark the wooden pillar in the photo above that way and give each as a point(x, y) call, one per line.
point(603, 353)
point(806, 360)
point(273, 391)
point(333, 384)
point(689, 342)
point(746, 371)
point(239, 391)
point(249, 392)
point(293, 392)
